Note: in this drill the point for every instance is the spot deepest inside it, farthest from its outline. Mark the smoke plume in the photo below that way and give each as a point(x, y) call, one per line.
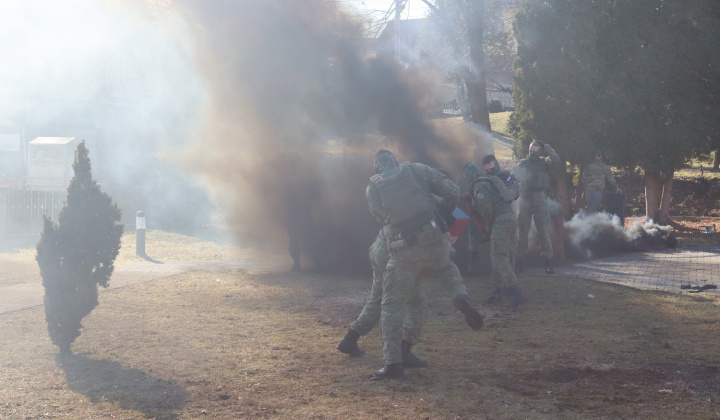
point(296, 109)
point(599, 235)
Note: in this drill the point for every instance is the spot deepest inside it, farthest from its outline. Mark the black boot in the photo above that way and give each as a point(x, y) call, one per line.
point(473, 269)
point(410, 360)
point(391, 371)
point(548, 266)
point(472, 316)
point(348, 345)
point(517, 297)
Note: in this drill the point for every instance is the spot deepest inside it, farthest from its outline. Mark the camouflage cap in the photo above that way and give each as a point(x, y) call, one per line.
point(384, 160)
point(472, 172)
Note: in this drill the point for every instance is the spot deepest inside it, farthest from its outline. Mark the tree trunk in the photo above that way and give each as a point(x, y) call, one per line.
point(653, 193)
point(663, 216)
point(716, 160)
point(476, 83)
point(561, 193)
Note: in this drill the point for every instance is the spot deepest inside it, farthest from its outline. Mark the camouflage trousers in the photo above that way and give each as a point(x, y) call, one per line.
point(415, 305)
point(401, 276)
point(533, 207)
point(503, 245)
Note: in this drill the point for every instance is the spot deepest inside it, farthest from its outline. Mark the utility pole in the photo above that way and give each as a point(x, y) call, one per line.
point(399, 6)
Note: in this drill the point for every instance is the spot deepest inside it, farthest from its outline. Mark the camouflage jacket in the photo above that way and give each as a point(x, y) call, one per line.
point(443, 191)
point(595, 174)
point(532, 173)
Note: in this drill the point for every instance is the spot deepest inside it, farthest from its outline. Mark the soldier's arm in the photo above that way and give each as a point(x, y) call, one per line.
point(553, 157)
point(512, 183)
point(506, 192)
point(373, 198)
point(438, 184)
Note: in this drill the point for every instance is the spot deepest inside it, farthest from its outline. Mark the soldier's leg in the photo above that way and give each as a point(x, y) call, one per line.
point(524, 221)
point(543, 225)
point(415, 314)
point(593, 199)
point(370, 314)
point(397, 282)
point(503, 232)
point(473, 243)
point(496, 293)
point(447, 272)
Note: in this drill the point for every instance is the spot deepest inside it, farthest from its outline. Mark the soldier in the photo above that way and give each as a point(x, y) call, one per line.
point(492, 198)
point(534, 180)
point(404, 199)
point(594, 176)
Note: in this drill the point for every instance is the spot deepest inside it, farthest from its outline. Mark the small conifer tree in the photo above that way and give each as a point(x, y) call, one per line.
point(77, 253)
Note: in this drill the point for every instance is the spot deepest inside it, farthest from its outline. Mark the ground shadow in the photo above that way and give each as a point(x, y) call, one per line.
point(150, 259)
point(132, 389)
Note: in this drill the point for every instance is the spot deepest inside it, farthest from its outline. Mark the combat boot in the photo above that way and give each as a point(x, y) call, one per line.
point(348, 345)
point(517, 297)
point(391, 371)
point(473, 269)
point(410, 360)
point(472, 316)
point(549, 267)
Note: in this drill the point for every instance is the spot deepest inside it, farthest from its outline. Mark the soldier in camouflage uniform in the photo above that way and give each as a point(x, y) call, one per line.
point(594, 175)
point(492, 199)
point(534, 180)
point(404, 199)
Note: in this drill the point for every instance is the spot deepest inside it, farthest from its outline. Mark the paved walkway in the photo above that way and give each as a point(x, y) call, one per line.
point(659, 270)
point(25, 295)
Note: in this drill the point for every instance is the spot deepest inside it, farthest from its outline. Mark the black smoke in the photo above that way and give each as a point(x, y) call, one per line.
point(296, 107)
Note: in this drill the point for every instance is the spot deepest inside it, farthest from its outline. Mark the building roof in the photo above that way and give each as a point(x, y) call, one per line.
point(52, 140)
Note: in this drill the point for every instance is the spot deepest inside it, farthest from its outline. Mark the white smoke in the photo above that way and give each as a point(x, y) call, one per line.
point(601, 234)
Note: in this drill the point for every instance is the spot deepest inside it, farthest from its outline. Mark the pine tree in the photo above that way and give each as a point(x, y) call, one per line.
point(77, 253)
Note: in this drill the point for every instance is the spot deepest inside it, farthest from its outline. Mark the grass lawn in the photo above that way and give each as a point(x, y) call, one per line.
point(237, 344)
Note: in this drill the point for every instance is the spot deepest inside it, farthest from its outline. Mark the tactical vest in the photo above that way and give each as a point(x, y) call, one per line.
point(537, 179)
point(491, 203)
point(406, 204)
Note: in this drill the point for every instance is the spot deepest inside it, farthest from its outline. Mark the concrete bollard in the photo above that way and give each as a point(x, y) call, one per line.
point(140, 233)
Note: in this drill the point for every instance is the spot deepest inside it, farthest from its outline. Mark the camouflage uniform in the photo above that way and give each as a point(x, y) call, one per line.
point(416, 304)
point(531, 172)
point(594, 175)
point(399, 197)
point(492, 197)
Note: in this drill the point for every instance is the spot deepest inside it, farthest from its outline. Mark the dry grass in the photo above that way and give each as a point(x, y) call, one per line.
point(244, 345)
